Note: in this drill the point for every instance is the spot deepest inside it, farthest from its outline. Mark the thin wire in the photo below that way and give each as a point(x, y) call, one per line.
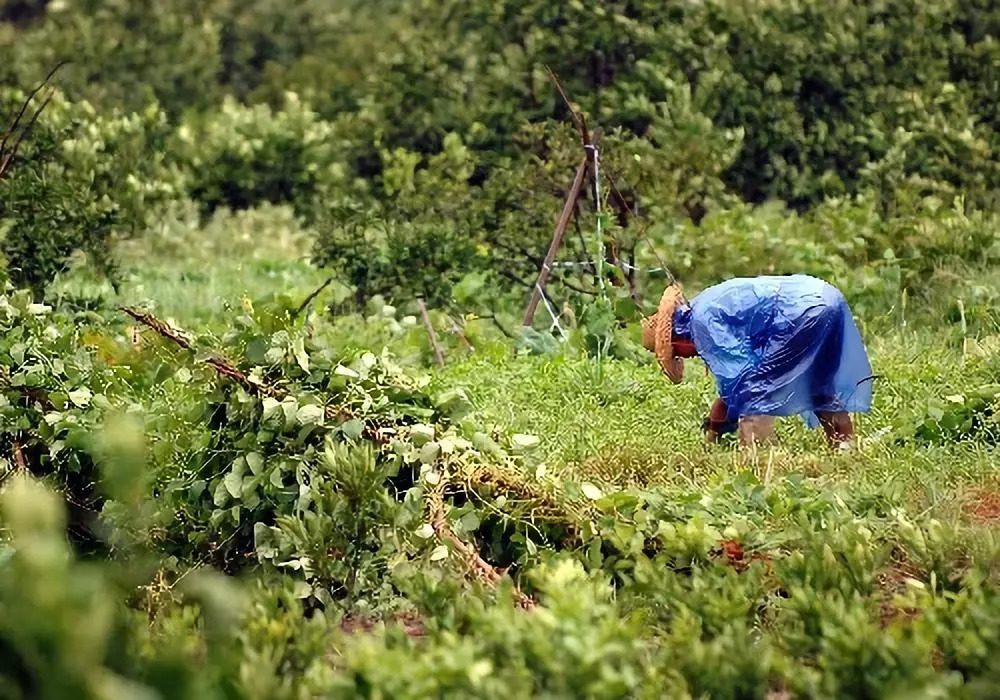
point(552, 314)
point(626, 266)
point(643, 233)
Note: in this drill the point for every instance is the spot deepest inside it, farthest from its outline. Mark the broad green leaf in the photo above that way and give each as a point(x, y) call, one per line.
point(298, 347)
point(469, 521)
point(343, 371)
point(429, 453)
point(256, 351)
point(81, 397)
point(525, 442)
point(421, 433)
point(221, 495)
point(255, 461)
point(234, 484)
point(276, 478)
point(352, 429)
point(270, 408)
point(310, 414)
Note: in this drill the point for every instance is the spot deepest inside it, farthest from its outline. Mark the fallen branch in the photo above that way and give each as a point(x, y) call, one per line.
point(224, 368)
point(339, 414)
point(482, 569)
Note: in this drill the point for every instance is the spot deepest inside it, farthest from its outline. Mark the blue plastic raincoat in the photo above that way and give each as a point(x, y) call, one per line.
point(779, 346)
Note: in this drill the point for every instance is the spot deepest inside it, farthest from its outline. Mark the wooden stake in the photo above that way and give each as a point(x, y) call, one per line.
point(438, 355)
point(557, 236)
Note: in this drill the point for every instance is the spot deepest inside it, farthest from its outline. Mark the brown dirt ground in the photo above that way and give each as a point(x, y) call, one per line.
point(984, 507)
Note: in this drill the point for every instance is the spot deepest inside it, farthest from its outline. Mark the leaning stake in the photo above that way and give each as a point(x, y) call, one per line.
point(438, 355)
point(557, 236)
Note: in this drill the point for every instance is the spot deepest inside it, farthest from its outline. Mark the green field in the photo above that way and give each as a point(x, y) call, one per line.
point(231, 467)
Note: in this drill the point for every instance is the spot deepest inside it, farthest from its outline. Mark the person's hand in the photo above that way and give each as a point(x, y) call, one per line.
point(677, 368)
point(716, 424)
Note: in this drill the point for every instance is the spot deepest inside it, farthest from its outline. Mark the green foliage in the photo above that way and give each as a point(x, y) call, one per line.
point(723, 583)
point(80, 181)
point(960, 415)
point(169, 53)
point(67, 631)
point(540, 517)
point(242, 156)
point(572, 646)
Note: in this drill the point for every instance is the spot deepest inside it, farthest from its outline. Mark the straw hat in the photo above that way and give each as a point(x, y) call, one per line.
point(657, 334)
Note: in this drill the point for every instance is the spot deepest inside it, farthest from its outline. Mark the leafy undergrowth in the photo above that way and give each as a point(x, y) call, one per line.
point(554, 529)
point(623, 424)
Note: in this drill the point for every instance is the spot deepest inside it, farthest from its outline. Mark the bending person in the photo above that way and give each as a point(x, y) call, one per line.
point(777, 346)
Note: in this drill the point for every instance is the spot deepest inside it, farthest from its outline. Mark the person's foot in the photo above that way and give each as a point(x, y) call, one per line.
point(755, 430)
point(838, 427)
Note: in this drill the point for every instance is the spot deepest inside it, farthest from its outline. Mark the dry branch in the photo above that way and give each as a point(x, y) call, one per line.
point(624, 211)
point(578, 118)
point(481, 569)
point(557, 236)
point(312, 295)
point(221, 366)
point(7, 155)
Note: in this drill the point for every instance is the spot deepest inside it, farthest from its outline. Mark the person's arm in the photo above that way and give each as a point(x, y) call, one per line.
point(720, 327)
point(717, 424)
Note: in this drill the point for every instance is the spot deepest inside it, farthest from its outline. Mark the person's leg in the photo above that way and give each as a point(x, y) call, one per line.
point(838, 426)
point(756, 429)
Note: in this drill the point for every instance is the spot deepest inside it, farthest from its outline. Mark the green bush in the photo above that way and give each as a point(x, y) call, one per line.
point(81, 180)
point(818, 89)
point(124, 55)
point(241, 156)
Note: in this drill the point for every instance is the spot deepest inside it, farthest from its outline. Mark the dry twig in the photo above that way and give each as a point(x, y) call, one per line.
point(7, 155)
point(480, 568)
point(438, 355)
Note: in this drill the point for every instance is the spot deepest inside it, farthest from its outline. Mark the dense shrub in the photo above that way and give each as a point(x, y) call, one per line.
point(241, 156)
point(820, 89)
point(124, 55)
point(81, 180)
